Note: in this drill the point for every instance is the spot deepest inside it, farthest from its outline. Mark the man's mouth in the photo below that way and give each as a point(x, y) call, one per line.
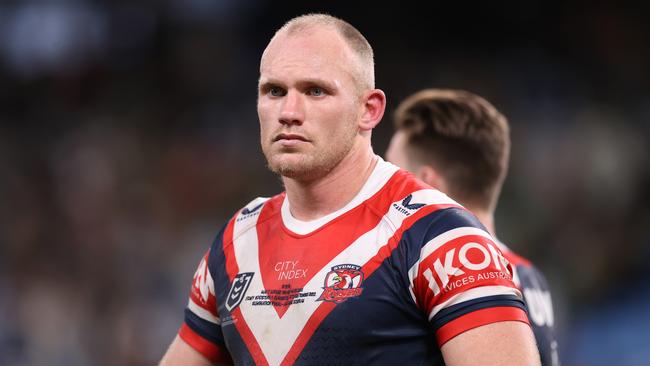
point(290, 137)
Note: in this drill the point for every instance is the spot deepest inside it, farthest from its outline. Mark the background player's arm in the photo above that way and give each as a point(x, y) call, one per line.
point(181, 354)
point(500, 343)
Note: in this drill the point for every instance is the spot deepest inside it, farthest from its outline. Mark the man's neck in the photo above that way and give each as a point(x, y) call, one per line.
point(315, 199)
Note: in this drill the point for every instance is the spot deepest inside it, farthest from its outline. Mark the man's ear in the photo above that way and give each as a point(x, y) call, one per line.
point(430, 176)
point(374, 105)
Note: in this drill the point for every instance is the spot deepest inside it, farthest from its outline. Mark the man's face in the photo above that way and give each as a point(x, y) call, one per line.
point(308, 103)
point(397, 153)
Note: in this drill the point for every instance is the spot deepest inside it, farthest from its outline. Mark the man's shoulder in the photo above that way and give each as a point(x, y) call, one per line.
point(411, 198)
point(404, 186)
point(422, 215)
point(255, 207)
point(403, 180)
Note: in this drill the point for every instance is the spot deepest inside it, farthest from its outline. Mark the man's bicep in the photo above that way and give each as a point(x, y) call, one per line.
point(500, 343)
point(181, 353)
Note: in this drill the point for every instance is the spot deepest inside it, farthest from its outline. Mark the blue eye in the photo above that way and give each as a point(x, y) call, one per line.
point(316, 91)
point(276, 92)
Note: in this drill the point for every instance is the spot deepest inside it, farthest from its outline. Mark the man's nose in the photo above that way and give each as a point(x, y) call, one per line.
point(292, 111)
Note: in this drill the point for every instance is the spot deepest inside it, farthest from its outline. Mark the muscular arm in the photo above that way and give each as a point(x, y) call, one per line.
point(501, 343)
point(181, 354)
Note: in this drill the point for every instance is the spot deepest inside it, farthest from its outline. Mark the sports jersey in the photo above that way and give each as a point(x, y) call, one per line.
point(385, 280)
point(537, 296)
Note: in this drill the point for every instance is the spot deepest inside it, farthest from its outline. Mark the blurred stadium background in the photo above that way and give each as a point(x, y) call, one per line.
point(128, 135)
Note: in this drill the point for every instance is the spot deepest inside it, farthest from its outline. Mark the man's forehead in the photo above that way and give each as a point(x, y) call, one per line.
point(318, 50)
point(308, 42)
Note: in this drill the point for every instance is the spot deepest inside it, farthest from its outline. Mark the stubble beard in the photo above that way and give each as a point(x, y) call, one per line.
point(310, 166)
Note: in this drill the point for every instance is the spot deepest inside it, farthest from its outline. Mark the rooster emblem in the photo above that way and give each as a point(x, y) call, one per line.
point(342, 283)
point(344, 278)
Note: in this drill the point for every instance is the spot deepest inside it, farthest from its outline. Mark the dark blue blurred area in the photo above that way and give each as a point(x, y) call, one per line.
point(128, 134)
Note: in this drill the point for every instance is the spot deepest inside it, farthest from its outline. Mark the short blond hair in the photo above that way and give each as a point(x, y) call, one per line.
point(365, 74)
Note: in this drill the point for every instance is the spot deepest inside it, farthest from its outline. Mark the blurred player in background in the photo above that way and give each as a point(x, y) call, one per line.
point(459, 143)
point(357, 262)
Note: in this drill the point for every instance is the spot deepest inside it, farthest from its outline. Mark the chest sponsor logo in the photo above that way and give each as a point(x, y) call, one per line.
point(238, 289)
point(341, 283)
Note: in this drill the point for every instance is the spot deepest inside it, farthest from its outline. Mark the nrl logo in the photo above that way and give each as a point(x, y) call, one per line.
point(342, 283)
point(240, 285)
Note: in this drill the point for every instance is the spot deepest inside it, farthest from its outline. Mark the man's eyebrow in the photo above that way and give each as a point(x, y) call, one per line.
point(317, 82)
point(265, 82)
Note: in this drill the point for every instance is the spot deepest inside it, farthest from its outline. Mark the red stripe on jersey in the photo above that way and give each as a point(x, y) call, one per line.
point(305, 334)
point(208, 349)
point(249, 339)
point(404, 183)
point(478, 318)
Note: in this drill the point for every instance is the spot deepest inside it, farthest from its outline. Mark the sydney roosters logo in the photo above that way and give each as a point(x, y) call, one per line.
point(342, 283)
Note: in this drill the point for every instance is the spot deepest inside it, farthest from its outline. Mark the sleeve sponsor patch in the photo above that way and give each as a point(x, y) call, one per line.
point(456, 262)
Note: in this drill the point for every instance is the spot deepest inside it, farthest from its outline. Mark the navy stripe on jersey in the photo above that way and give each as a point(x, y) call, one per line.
point(205, 329)
point(455, 311)
point(217, 263)
point(434, 224)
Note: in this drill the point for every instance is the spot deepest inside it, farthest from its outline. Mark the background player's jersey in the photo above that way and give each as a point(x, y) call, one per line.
point(537, 296)
point(386, 280)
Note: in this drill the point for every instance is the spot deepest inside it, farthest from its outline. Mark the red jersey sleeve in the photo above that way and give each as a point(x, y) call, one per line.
point(202, 326)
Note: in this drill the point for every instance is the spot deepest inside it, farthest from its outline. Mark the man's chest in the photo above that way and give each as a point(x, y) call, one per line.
point(286, 289)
